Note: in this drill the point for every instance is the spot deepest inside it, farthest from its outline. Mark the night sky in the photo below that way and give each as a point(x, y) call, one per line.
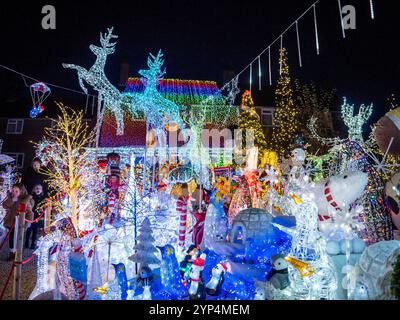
point(201, 39)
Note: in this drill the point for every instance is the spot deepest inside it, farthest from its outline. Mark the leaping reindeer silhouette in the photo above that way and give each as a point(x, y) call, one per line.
point(97, 79)
point(159, 110)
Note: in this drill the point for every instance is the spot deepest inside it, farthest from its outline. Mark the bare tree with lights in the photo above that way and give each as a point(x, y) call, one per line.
point(72, 175)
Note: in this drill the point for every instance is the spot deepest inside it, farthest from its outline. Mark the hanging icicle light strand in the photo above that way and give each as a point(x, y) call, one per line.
point(341, 19)
point(371, 4)
point(298, 44)
point(251, 76)
point(280, 60)
point(269, 66)
point(316, 29)
point(259, 73)
point(280, 37)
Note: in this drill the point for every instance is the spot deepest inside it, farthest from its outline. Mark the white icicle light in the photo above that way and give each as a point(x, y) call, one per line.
point(298, 44)
point(371, 4)
point(316, 30)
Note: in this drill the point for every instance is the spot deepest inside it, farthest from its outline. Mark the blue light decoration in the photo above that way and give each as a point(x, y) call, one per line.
point(170, 275)
point(77, 267)
point(253, 263)
point(120, 274)
point(39, 93)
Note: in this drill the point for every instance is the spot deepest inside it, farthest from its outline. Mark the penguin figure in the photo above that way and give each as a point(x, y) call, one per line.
point(145, 276)
point(213, 287)
point(120, 274)
point(279, 276)
point(184, 267)
point(170, 276)
point(196, 289)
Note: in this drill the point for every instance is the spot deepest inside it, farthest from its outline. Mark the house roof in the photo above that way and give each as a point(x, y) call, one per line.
point(181, 92)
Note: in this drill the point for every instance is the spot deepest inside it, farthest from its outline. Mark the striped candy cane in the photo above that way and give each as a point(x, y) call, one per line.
point(181, 207)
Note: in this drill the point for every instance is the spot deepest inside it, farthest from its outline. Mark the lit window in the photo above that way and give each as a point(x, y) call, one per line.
point(15, 126)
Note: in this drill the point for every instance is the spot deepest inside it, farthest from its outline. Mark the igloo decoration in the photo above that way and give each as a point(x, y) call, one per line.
point(250, 223)
point(374, 269)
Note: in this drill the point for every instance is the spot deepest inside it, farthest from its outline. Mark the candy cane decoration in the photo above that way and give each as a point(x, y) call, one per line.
point(181, 207)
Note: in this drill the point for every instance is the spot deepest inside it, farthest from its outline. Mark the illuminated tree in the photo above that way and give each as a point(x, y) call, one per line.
point(250, 120)
point(73, 178)
point(286, 115)
point(314, 102)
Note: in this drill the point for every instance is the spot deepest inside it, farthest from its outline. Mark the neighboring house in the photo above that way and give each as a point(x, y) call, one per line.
point(267, 117)
point(18, 135)
point(19, 132)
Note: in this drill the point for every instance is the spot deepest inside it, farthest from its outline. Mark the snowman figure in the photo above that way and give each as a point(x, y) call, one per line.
point(196, 289)
point(213, 287)
point(297, 172)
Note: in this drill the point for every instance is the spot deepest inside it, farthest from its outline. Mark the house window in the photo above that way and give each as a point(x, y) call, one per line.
point(15, 126)
point(19, 159)
point(267, 118)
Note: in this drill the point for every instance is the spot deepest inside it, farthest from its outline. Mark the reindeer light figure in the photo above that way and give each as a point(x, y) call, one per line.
point(355, 122)
point(96, 77)
point(159, 111)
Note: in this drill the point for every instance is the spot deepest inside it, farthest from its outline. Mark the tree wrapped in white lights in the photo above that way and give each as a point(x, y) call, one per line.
point(72, 174)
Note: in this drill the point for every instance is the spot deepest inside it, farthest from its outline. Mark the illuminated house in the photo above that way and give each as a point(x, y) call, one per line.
point(185, 93)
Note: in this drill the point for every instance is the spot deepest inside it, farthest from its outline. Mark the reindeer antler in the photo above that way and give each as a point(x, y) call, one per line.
point(155, 63)
point(105, 39)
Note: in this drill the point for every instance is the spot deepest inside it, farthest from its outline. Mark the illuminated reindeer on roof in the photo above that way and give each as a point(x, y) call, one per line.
point(96, 77)
point(159, 110)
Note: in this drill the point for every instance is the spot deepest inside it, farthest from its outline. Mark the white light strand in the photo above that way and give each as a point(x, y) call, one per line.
point(298, 44)
point(269, 66)
point(272, 43)
point(46, 83)
point(280, 53)
point(341, 19)
point(251, 76)
point(259, 73)
point(316, 30)
point(371, 4)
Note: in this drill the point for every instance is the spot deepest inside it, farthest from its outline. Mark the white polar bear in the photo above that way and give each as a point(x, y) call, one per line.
point(333, 197)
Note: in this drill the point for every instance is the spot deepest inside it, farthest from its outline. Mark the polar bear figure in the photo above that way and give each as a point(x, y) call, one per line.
point(333, 197)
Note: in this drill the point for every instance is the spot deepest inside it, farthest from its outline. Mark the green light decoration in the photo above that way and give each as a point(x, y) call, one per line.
point(159, 111)
point(354, 122)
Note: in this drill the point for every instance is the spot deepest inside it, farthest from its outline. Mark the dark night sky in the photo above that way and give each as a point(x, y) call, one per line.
point(201, 39)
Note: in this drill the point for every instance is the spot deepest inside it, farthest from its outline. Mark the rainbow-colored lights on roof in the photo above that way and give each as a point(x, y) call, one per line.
point(183, 92)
